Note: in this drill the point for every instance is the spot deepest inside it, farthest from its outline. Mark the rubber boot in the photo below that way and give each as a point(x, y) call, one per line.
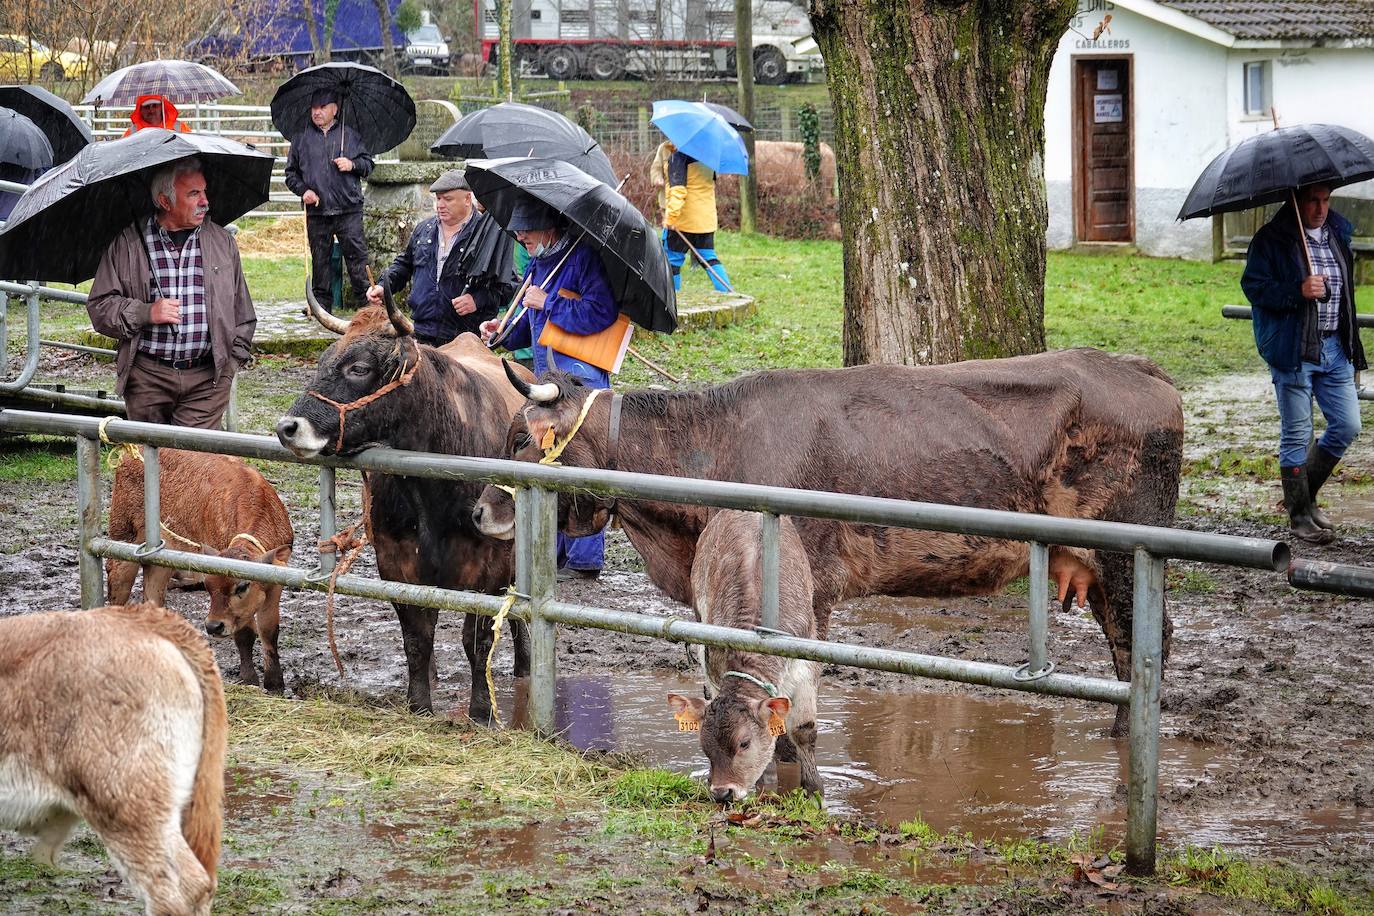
point(1320, 464)
point(719, 278)
point(1298, 502)
point(675, 261)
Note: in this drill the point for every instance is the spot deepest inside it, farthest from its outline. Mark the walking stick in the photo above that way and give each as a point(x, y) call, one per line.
point(652, 365)
point(709, 270)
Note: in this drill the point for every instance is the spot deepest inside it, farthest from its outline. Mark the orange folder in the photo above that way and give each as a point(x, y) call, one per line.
point(604, 349)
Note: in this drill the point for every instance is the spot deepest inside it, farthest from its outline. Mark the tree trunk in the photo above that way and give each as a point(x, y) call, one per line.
point(939, 143)
point(388, 46)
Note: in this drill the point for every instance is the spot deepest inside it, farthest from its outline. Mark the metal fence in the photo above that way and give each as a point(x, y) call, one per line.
point(1242, 313)
point(23, 388)
point(535, 552)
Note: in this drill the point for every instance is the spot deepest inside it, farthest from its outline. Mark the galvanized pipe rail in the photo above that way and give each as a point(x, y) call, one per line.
point(535, 545)
point(1243, 313)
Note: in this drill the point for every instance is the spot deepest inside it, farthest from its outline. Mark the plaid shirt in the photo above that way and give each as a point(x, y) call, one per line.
point(1324, 262)
point(176, 275)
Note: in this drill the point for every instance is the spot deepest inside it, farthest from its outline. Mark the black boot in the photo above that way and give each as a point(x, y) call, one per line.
point(1298, 502)
point(1320, 464)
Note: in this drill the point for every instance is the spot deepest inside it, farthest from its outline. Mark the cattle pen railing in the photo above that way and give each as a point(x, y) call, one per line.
point(535, 554)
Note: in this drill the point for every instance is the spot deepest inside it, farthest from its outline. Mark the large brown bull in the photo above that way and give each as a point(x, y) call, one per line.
point(378, 386)
point(1075, 433)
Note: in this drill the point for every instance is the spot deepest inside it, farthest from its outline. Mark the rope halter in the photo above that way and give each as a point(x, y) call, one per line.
point(407, 373)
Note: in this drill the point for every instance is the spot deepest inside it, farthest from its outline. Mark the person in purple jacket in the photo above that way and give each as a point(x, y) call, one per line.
point(576, 297)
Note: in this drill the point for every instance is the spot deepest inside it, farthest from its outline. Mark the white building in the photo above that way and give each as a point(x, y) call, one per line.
point(1143, 94)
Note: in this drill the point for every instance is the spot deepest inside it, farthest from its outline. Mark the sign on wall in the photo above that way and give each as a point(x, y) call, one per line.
point(1107, 108)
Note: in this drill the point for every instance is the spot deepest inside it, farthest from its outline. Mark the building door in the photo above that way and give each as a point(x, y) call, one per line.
point(1104, 199)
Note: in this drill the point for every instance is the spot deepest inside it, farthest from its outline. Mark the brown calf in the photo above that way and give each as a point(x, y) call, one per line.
point(220, 507)
point(116, 716)
point(754, 697)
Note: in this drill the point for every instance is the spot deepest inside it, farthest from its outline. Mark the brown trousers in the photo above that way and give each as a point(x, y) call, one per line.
point(156, 393)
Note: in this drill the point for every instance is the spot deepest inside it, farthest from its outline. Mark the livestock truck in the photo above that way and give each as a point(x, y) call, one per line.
point(610, 39)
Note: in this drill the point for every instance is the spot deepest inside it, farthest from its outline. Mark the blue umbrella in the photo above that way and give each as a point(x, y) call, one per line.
point(702, 134)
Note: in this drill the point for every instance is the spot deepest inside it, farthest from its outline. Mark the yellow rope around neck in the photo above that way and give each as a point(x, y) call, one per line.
point(496, 623)
point(551, 456)
point(245, 536)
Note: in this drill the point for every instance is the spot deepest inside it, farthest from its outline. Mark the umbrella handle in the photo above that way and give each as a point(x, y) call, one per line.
point(1293, 196)
point(708, 267)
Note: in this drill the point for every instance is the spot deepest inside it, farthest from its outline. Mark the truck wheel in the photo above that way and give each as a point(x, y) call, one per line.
point(605, 64)
point(770, 67)
point(560, 63)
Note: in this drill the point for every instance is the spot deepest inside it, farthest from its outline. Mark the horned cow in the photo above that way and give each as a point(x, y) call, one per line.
point(218, 506)
point(116, 716)
point(377, 385)
point(1075, 433)
point(761, 705)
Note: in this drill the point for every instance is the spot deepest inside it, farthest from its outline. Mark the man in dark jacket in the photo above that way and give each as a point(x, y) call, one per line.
point(458, 265)
point(1304, 323)
point(325, 169)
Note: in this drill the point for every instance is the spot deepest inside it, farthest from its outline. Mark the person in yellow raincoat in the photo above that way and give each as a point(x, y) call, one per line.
point(689, 215)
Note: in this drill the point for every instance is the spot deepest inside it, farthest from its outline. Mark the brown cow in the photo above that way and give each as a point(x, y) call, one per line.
point(1075, 433)
point(453, 400)
point(752, 694)
point(218, 506)
point(116, 716)
point(780, 166)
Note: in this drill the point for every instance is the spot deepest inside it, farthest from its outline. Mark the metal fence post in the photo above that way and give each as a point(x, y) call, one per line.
point(152, 510)
point(1146, 660)
point(1039, 606)
point(231, 414)
point(88, 520)
point(768, 524)
point(328, 527)
point(536, 533)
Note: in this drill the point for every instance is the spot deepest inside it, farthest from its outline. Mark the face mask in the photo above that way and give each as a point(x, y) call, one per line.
point(539, 250)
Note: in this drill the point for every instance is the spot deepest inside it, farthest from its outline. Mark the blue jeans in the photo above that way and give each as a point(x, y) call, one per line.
point(1333, 385)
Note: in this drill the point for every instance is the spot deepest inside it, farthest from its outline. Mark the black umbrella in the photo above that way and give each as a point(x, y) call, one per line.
point(732, 117)
point(66, 220)
point(627, 244)
point(515, 129)
point(63, 127)
point(22, 144)
point(1268, 167)
point(370, 102)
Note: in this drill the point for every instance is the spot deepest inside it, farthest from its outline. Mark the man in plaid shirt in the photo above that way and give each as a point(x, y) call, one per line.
point(1304, 322)
point(170, 289)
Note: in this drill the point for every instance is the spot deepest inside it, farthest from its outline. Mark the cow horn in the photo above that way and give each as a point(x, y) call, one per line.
point(330, 322)
point(542, 393)
point(403, 325)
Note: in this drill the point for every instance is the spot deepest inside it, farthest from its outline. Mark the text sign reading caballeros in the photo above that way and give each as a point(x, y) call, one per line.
point(1092, 23)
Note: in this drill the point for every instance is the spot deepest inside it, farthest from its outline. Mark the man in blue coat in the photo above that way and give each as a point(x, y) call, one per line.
point(1304, 324)
point(458, 264)
point(574, 295)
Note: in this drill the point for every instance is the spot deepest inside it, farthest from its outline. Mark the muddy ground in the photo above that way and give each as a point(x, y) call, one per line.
point(1269, 687)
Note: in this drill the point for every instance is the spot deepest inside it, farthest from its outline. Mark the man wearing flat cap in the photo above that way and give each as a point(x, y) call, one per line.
point(458, 264)
point(325, 168)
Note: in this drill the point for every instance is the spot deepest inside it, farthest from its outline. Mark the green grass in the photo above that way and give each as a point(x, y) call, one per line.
point(1216, 871)
point(33, 459)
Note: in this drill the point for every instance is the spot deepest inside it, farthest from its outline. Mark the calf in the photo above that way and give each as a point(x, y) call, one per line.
point(218, 506)
point(761, 705)
point(116, 716)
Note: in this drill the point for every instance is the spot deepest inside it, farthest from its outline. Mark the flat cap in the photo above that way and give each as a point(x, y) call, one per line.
point(452, 180)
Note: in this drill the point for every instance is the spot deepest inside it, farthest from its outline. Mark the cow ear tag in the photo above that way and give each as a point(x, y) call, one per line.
point(776, 726)
point(687, 721)
point(547, 442)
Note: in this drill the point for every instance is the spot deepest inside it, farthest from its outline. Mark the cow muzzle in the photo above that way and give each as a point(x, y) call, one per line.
point(300, 436)
point(215, 628)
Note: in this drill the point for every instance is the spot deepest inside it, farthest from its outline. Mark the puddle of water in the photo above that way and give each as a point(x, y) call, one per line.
point(996, 768)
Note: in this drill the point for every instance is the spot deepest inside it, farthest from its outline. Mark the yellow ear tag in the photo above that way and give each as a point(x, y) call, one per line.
point(686, 722)
point(776, 726)
point(547, 442)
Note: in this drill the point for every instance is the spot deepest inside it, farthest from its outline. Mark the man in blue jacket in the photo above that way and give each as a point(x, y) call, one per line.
point(325, 169)
point(458, 264)
point(576, 297)
point(1304, 324)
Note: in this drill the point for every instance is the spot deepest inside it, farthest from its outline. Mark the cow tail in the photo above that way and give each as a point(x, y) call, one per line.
point(201, 820)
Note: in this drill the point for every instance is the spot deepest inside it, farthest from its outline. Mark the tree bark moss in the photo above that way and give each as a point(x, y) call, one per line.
point(939, 145)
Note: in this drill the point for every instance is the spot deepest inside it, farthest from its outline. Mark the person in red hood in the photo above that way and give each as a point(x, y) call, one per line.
point(155, 111)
